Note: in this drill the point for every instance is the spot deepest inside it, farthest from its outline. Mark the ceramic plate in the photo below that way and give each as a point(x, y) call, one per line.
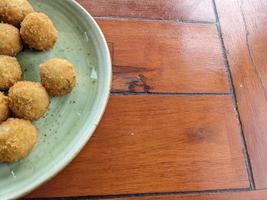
point(72, 119)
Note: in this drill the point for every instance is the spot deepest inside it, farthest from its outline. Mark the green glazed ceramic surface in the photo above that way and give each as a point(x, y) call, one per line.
point(71, 120)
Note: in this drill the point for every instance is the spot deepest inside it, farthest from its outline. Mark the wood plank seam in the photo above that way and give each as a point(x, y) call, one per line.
point(118, 92)
point(156, 20)
point(156, 194)
point(214, 131)
point(250, 51)
point(232, 92)
point(134, 74)
point(187, 10)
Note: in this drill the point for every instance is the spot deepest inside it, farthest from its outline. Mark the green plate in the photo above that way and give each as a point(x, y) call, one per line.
point(72, 119)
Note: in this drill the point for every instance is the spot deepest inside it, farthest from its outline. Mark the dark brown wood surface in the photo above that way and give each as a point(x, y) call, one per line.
point(181, 10)
point(255, 195)
point(197, 148)
point(244, 29)
point(165, 57)
point(188, 115)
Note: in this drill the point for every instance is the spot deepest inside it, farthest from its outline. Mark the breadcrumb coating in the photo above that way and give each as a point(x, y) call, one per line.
point(4, 109)
point(28, 100)
point(17, 139)
point(58, 76)
point(10, 42)
point(14, 11)
point(38, 31)
point(10, 72)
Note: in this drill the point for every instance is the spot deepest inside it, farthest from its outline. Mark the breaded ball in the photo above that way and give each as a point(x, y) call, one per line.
point(17, 139)
point(28, 100)
point(4, 109)
point(10, 42)
point(14, 11)
point(58, 76)
point(38, 31)
point(10, 72)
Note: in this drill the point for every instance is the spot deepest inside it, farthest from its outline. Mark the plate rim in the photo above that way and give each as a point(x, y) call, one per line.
point(96, 119)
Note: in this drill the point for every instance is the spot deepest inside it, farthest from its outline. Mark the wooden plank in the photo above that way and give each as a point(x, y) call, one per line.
point(183, 10)
point(165, 57)
point(252, 195)
point(157, 144)
point(244, 28)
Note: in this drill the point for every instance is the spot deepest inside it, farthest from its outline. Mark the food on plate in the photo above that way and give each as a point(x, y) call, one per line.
point(28, 100)
point(10, 71)
point(38, 31)
point(58, 76)
point(14, 11)
point(10, 42)
point(17, 139)
point(4, 109)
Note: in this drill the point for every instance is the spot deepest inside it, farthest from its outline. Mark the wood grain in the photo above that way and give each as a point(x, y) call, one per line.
point(244, 29)
point(183, 10)
point(252, 195)
point(165, 57)
point(157, 144)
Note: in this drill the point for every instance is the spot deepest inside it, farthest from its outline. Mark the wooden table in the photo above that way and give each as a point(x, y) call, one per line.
point(187, 118)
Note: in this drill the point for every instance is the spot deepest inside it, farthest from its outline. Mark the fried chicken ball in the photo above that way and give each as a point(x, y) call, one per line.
point(10, 72)
point(38, 31)
point(14, 11)
point(17, 139)
point(4, 109)
point(58, 76)
point(28, 100)
point(10, 42)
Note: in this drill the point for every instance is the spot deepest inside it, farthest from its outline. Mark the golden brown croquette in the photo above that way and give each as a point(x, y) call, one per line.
point(17, 139)
point(14, 11)
point(28, 100)
point(10, 42)
point(4, 109)
point(58, 76)
point(38, 31)
point(10, 72)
